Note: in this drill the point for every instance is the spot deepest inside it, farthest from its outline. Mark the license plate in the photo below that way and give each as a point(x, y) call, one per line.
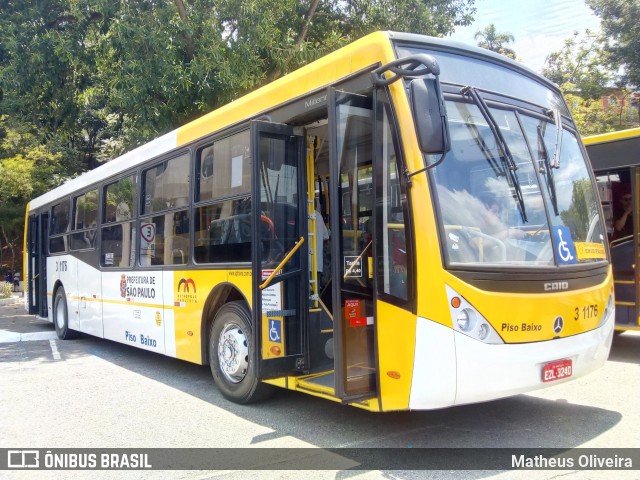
point(557, 370)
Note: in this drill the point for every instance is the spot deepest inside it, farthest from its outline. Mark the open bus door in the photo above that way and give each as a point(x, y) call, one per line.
point(37, 267)
point(625, 256)
point(635, 192)
point(353, 243)
point(613, 186)
point(279, 251)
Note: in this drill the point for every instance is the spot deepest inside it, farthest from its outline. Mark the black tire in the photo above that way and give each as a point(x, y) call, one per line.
point(61, 316)
point(234, 370)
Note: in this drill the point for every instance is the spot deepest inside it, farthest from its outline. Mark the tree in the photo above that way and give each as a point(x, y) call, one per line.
point(619, 21)
point(25, 172)
point(582, 62)
point(125, 72)
point(589, 114)
point(584, 72)
point(494, 41)
point(82, 81)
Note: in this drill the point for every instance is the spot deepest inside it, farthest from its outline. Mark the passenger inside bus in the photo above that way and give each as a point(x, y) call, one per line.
point(322, 235)
point(623, 218)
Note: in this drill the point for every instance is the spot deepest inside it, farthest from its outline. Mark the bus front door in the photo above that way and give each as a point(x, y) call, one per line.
point(279, 251)
point(353, 243)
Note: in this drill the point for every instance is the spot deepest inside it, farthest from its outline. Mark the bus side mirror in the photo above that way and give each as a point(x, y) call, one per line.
point(430, 116)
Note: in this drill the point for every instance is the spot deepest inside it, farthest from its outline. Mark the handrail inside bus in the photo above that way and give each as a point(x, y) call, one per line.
point(284, 261)
point(620, 240)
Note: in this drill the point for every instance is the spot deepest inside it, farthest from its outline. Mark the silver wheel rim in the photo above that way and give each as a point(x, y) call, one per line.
point(60, 320)
point(233, 353)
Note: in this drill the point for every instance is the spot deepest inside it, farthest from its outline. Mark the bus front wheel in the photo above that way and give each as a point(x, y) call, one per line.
point(61, 316)
point(231, 356)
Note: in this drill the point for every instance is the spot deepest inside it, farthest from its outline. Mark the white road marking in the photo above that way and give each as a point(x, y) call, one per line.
point(54, 350)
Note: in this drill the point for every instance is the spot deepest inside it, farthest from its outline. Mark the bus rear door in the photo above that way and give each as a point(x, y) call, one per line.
point(37, 269)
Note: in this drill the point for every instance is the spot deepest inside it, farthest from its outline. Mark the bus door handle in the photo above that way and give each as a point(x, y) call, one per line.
point(284, 261)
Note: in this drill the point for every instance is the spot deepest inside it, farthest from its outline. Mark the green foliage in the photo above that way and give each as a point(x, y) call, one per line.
point(619, 20)
point(582, 62)
point(27, 169)
point(6, 290)
point(125, 72)
point(586, 74)
point(589, 114)
point(490, 39)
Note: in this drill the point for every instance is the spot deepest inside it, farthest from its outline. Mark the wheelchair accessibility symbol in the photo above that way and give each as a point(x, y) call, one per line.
point(564, 245)
point(275, 331)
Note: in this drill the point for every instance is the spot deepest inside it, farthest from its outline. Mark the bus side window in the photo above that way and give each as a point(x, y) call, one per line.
point(59, 226)
point(222, 231)
point(164, 236)
point(116, 244)
point(84, 221)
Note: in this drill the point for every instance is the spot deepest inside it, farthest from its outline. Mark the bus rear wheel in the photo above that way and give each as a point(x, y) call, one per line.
point(61, 316)
point(231, 356)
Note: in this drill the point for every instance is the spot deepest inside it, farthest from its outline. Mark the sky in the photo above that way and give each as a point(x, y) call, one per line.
point(539, 26)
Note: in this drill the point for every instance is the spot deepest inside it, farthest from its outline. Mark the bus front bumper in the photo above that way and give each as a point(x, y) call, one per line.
point(451, 368)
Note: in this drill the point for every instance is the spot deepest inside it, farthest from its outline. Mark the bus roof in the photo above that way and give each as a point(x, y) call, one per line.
point(614, 150)
point(611, 136)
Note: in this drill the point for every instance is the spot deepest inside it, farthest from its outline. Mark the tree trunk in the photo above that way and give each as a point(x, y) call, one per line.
point(182, 11)
point(307, 21)
point(301, 36)
point(10, 244)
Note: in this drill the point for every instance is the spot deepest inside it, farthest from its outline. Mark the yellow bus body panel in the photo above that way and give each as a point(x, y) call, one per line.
point(396, 328)
point(525, 318)
point(25, 257)
point(189, 306)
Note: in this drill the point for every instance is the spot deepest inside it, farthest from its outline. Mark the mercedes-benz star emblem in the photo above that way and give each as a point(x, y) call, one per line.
point(558, 324)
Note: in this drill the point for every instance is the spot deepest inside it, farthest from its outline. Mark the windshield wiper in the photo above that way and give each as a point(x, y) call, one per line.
point(507, 158)
point(547, 172)
point(557, 118)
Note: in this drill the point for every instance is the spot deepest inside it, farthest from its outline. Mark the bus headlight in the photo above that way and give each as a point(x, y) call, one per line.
point(483, 331)
point(465, 319)
point(469, 321)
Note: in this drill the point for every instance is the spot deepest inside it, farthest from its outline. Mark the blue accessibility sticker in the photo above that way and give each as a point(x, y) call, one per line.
point(275, 330)
point(564, 246)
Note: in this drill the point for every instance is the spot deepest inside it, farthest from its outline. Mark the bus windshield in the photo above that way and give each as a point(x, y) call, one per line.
point(500, 200)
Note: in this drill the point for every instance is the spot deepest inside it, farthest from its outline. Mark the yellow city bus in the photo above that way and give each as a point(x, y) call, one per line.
point(465, 262)
point(615, 158)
